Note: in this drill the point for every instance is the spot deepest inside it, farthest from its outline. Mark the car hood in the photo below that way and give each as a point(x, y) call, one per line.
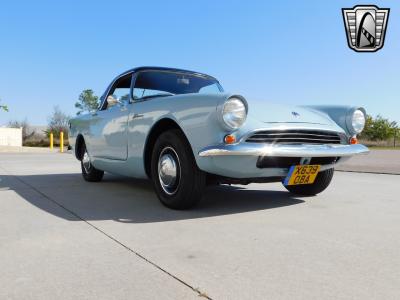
point(268, 112)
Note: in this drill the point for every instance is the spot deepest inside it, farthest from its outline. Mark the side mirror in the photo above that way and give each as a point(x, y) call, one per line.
point(111, 101)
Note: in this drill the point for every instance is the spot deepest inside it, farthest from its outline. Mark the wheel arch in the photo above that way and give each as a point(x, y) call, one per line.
point(158, 128)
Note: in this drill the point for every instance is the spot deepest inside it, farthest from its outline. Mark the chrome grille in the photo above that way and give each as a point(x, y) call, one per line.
point(294, 137)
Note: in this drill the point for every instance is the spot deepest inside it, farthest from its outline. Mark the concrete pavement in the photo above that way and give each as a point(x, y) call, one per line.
point(66, 238)
point(17, 149)
point(377, 161)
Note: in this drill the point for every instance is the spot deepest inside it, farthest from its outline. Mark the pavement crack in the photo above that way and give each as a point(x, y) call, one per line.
point(367, 172)
point(194, 289)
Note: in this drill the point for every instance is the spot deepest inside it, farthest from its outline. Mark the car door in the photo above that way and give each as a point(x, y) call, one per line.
point(110, 124)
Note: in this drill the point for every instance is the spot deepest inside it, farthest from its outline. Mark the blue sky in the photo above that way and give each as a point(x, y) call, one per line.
point(283, 51)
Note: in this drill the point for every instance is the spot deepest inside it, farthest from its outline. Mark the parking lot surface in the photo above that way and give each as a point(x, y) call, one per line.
point(377, 161)
point(64, 238)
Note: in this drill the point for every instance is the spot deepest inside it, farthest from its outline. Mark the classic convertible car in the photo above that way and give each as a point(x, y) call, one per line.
point(180, 129)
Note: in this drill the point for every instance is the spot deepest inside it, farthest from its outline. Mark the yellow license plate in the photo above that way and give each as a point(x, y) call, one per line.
point(302, 174)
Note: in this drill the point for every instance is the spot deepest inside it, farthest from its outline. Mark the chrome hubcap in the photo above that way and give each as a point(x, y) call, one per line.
point(86, 162)
point(169, 170)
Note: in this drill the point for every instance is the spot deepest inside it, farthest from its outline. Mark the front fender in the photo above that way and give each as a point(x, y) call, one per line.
point(195, 114)
point(341, 114)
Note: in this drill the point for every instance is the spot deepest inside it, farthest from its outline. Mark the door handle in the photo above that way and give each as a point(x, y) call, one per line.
point(137, 116)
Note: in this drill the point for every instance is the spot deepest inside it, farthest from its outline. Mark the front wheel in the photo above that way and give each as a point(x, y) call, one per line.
point(177, 180)
point(320, 184)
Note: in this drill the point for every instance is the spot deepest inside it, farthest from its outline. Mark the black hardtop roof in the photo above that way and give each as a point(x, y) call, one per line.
point(148, 68)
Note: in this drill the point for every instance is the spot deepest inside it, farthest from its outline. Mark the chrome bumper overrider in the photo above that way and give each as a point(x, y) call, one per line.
point(284, 150)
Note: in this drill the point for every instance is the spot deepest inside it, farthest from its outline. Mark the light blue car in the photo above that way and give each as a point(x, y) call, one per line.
point(180, 129)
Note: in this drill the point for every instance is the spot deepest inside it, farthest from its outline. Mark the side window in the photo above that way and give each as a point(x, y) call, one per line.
point(121, 93)
point(121, 90)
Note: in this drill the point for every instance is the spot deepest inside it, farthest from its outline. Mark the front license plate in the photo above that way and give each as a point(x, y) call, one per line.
point(302, 174)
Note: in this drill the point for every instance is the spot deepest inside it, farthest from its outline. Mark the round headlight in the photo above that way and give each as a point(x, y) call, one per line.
point(358, 121)
point(234, 113)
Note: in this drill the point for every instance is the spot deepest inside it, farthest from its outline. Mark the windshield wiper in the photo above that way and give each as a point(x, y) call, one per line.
point(156, 95)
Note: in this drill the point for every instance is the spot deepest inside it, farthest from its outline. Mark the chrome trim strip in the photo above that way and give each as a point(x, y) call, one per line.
point(284, 150)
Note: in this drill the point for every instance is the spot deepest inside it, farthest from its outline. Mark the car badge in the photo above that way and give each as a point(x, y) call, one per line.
point(365, 27)
point(295, 114)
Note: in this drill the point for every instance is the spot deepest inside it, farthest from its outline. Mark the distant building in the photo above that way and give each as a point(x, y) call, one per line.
point(10, 136)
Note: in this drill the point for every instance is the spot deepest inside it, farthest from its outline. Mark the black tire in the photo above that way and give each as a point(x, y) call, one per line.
point(184, 189)
point(320, 184)
point(89, 173)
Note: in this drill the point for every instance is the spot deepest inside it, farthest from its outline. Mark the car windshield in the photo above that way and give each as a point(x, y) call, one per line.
point(165, 83)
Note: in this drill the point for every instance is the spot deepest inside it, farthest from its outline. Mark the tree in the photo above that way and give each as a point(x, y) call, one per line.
point(3, 107)
point(379, 129)
point(367, 133)
point(26, 134)
point(58, 121)
point(87, 102)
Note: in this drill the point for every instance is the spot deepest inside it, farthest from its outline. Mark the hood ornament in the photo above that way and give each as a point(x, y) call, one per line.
point(295, 114)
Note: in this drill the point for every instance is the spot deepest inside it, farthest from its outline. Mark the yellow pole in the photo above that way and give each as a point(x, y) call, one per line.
point(61, 142)
point(51, 141)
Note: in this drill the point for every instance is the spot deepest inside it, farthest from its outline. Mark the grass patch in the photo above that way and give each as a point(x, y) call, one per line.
point(383, 148)
point(43, 142)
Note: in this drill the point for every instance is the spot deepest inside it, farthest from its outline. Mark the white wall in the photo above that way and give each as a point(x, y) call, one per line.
point(11, 137)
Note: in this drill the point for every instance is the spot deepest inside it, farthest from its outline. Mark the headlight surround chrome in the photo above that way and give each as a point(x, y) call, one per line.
point(234, 112)
point(355, 120)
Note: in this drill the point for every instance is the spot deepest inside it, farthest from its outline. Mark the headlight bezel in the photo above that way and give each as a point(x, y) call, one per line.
point(229, 126)
point(353, 130)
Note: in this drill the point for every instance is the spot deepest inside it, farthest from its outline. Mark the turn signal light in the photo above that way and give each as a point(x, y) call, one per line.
point(353, 141)
point(229, 139)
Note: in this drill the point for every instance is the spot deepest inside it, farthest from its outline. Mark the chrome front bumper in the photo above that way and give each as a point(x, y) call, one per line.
point(253, 149)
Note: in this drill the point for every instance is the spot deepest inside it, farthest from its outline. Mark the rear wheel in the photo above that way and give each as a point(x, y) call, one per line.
point(177, 180)
point(320, 184)
point(89, 172)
